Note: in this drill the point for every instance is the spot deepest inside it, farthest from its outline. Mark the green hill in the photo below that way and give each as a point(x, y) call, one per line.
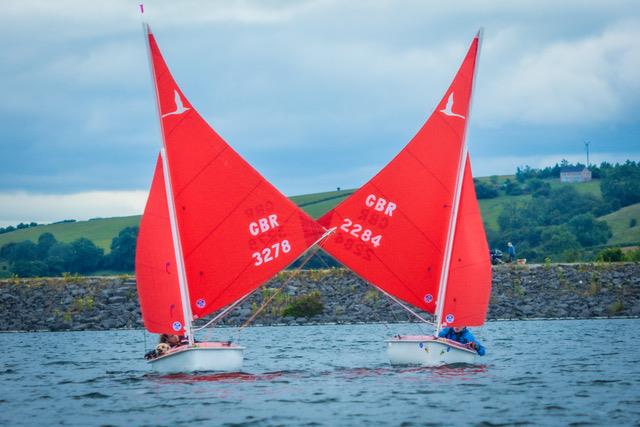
point(620, 222)
point(99, 230)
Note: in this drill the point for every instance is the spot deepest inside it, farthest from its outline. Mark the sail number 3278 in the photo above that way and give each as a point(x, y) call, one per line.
point(364, 234)
point(271, 252)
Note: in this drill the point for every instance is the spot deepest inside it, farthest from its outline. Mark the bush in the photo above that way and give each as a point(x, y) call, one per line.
point(632, 222)
point(307, 306)
point(485, 191)
point(611, 255)
point(633, 255)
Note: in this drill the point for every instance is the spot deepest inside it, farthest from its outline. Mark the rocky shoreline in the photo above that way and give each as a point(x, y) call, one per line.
point(519, 292)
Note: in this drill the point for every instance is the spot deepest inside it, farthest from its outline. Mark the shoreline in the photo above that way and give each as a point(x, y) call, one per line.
point(260, 325)
point(529, 292)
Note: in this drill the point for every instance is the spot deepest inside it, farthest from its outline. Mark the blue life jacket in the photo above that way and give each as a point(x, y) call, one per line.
point(463, 337)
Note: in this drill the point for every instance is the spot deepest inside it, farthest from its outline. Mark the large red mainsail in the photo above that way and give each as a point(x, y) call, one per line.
point(393, 231)
point(236, 230)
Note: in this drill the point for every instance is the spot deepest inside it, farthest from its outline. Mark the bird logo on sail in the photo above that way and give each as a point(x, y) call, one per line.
point(448, 109)
point(180, 108)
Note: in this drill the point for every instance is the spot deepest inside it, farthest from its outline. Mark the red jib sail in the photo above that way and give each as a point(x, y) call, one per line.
point(469, 285)
point(393, 230)
point(156, 270)
point(236, 230)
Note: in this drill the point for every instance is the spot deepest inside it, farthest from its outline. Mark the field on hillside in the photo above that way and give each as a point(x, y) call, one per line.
point(491, 208)
point(620, 222)
point(99, 230)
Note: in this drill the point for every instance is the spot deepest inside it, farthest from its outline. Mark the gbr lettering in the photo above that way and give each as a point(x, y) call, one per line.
point(380, 204)
point(263, 225)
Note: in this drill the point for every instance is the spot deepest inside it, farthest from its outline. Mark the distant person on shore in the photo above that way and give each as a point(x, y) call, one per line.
point(463, 336)
point(511, 250)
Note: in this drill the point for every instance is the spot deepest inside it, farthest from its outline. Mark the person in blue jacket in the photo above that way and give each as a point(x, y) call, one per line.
point(463, 336)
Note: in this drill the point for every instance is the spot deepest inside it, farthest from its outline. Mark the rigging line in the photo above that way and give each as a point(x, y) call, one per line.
point(393, 273)
point(250, 264)
point(375, 312)
point(407, 308)
point(314, 249)
point(223, 313)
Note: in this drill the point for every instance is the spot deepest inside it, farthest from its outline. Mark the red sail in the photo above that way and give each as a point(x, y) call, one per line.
point(156, 272)
point(393, 230)
point(236, 230)
point(469, 285)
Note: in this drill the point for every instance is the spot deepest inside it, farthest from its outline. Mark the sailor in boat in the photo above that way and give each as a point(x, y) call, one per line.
point(463, 336)
point(166, 343)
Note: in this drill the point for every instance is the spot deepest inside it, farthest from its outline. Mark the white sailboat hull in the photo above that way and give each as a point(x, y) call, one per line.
point(427, 351)
point(205, 356)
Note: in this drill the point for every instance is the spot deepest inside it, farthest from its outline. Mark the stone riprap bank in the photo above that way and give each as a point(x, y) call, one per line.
point(519, 292)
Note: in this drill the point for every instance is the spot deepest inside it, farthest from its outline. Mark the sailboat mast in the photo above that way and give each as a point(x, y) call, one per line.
point(182, 277)
point(444, 277)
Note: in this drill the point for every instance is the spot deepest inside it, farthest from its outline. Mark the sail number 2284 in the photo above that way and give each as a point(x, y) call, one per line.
point(364, 234)
point(271, 252)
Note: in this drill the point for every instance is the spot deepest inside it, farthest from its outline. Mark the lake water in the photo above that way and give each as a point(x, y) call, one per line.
point(536, 372)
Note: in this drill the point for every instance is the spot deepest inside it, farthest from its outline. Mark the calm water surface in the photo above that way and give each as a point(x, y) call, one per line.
point(537, 372)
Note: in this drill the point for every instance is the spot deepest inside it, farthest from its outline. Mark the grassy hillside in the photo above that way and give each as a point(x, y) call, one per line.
point(619, 222)
point(491, 208)
point(100, 231)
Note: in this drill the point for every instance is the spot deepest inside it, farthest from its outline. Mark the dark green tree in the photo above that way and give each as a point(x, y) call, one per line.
point(86, 257)
point(123, 250)
point(45, 242)
point(621, 184)
point(538, 188)
point(484, 190)
point(558, 239)
point(588, 230)
point(30, 268)
point(20, 251)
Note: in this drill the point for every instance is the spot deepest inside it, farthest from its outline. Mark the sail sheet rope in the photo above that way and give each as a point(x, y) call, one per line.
point(310, 253)
point(393, 312)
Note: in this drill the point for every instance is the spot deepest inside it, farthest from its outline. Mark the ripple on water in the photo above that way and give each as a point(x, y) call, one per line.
point(326, 383)
point(92, 395)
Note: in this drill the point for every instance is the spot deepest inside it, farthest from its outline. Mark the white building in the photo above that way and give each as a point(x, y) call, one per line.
point(575, 174)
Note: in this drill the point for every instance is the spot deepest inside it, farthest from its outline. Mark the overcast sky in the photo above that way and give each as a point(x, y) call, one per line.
point(315, 94)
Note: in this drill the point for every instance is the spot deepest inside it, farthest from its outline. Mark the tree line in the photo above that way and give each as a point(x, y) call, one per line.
point(49, 257)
